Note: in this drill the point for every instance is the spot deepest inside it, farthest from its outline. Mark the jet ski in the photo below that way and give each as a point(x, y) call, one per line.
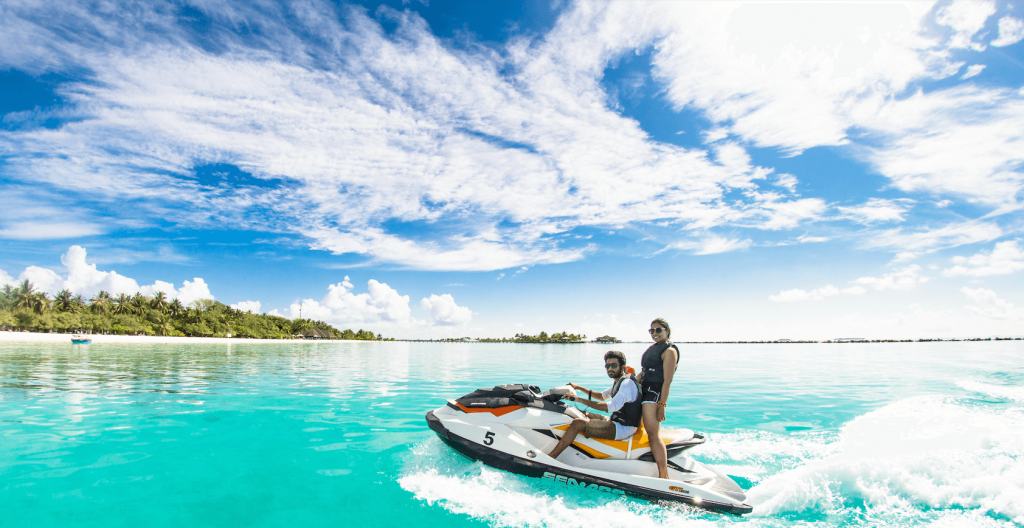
point(513, 427)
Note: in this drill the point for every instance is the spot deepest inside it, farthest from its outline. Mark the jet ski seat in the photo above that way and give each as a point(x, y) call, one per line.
point(676, 441)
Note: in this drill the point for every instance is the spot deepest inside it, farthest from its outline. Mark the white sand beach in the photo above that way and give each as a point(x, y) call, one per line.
point(99, 338)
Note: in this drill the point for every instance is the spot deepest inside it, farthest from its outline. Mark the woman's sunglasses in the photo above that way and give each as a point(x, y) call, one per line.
point(656, 330)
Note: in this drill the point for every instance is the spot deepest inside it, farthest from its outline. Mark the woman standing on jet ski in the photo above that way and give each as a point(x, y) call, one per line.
point(658, 365)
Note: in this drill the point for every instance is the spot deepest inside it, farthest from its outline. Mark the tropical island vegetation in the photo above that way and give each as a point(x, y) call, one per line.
point(24, 308)
point(543, 337)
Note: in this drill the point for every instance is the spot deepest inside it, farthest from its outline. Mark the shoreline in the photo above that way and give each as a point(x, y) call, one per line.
point(40, 337)
point(43, 337)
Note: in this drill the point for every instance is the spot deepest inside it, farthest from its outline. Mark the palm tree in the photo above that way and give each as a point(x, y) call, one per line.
point(63, 301)
point(176, 307)
point(138, 303)
point(7, 297)
point(123, 304)
point(101, 302)
point(78, 303)
point(24, 295)
point(160, 302)
point(41, 302)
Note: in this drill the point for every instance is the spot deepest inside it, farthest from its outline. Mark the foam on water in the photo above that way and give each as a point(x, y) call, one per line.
point(437, 476)
point(903, 462)
point(999, 391)
point(755, 454)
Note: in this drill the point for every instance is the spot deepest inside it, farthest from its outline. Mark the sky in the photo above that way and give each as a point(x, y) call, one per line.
point(749, 171)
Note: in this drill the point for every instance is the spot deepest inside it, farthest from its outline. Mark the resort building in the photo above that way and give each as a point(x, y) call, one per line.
point(317, 333)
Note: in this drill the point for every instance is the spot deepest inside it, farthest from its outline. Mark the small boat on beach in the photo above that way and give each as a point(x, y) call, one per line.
point(79, 338)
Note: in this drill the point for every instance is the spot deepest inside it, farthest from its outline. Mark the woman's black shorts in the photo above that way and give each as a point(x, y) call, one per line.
point(650, 392)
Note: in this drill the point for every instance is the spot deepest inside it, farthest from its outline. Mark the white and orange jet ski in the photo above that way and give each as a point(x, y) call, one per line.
point(513, 427)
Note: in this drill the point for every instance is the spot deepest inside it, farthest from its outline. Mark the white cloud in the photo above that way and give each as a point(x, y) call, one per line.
point(44, 279)
point(86, 279)
point(350, 126)
point(247, 306)
point(712, 135)
point(951, 235)
point(966, 18)
point(444, 311)
point(877, 210)
point(903, 279)
point(814, 295)
point(1005, 258)
point(364, 125)
point(991, 306)
point(787, 214)
point(187, 294)
point(796, 76)
point(786, 181)
point(380, 308)
point(806, 239)
point(6, 279)
point(904, 256)
point(1011, 31)
point(380, 303)
point(48, 230)
point(961, 141)
point(710, 244)
point(972, 70)
point(192, 291)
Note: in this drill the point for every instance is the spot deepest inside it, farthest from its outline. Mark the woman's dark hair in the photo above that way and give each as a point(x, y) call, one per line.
point(617, 355)
point(664, 323)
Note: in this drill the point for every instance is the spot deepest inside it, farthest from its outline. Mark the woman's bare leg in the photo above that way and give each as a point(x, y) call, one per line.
point(653, 428)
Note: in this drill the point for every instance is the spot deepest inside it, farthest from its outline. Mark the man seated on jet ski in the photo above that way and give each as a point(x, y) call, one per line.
point(624, 404)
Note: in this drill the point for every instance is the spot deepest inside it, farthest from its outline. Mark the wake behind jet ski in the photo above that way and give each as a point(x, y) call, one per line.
point(512, 427)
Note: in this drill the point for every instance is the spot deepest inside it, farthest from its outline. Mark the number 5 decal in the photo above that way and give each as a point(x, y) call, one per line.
point(489, 438)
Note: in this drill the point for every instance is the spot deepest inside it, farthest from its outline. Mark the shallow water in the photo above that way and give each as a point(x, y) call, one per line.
point(898, 434)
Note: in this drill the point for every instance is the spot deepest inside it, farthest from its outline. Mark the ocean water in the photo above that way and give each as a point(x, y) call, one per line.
point(333, 434)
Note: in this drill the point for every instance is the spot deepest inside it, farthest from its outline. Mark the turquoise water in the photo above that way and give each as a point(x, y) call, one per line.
point(331, 434)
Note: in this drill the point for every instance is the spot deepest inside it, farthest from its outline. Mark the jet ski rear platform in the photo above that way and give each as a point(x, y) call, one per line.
point(513, 427)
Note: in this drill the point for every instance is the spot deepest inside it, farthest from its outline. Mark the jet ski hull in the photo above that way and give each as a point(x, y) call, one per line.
point(569, 476)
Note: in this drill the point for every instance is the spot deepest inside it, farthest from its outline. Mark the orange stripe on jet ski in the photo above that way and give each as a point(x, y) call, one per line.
point(591, 451)
point(497, 411)
point(640, 440)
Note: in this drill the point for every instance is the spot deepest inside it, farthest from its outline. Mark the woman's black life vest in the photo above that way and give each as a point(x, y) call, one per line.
point(652, 364)
point(631, 412)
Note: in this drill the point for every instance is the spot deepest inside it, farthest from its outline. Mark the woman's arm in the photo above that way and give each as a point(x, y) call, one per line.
point(669, 359)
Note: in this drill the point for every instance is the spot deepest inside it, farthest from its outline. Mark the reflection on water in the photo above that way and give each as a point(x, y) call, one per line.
point(283, 433)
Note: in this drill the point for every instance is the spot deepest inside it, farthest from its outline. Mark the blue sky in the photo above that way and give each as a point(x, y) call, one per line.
point(441, 169)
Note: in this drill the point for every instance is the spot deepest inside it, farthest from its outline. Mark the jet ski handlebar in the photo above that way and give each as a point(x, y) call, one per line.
point(555, 394)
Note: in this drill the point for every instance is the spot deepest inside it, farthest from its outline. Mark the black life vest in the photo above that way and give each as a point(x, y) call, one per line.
point(631, 412)
point(652, 364)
